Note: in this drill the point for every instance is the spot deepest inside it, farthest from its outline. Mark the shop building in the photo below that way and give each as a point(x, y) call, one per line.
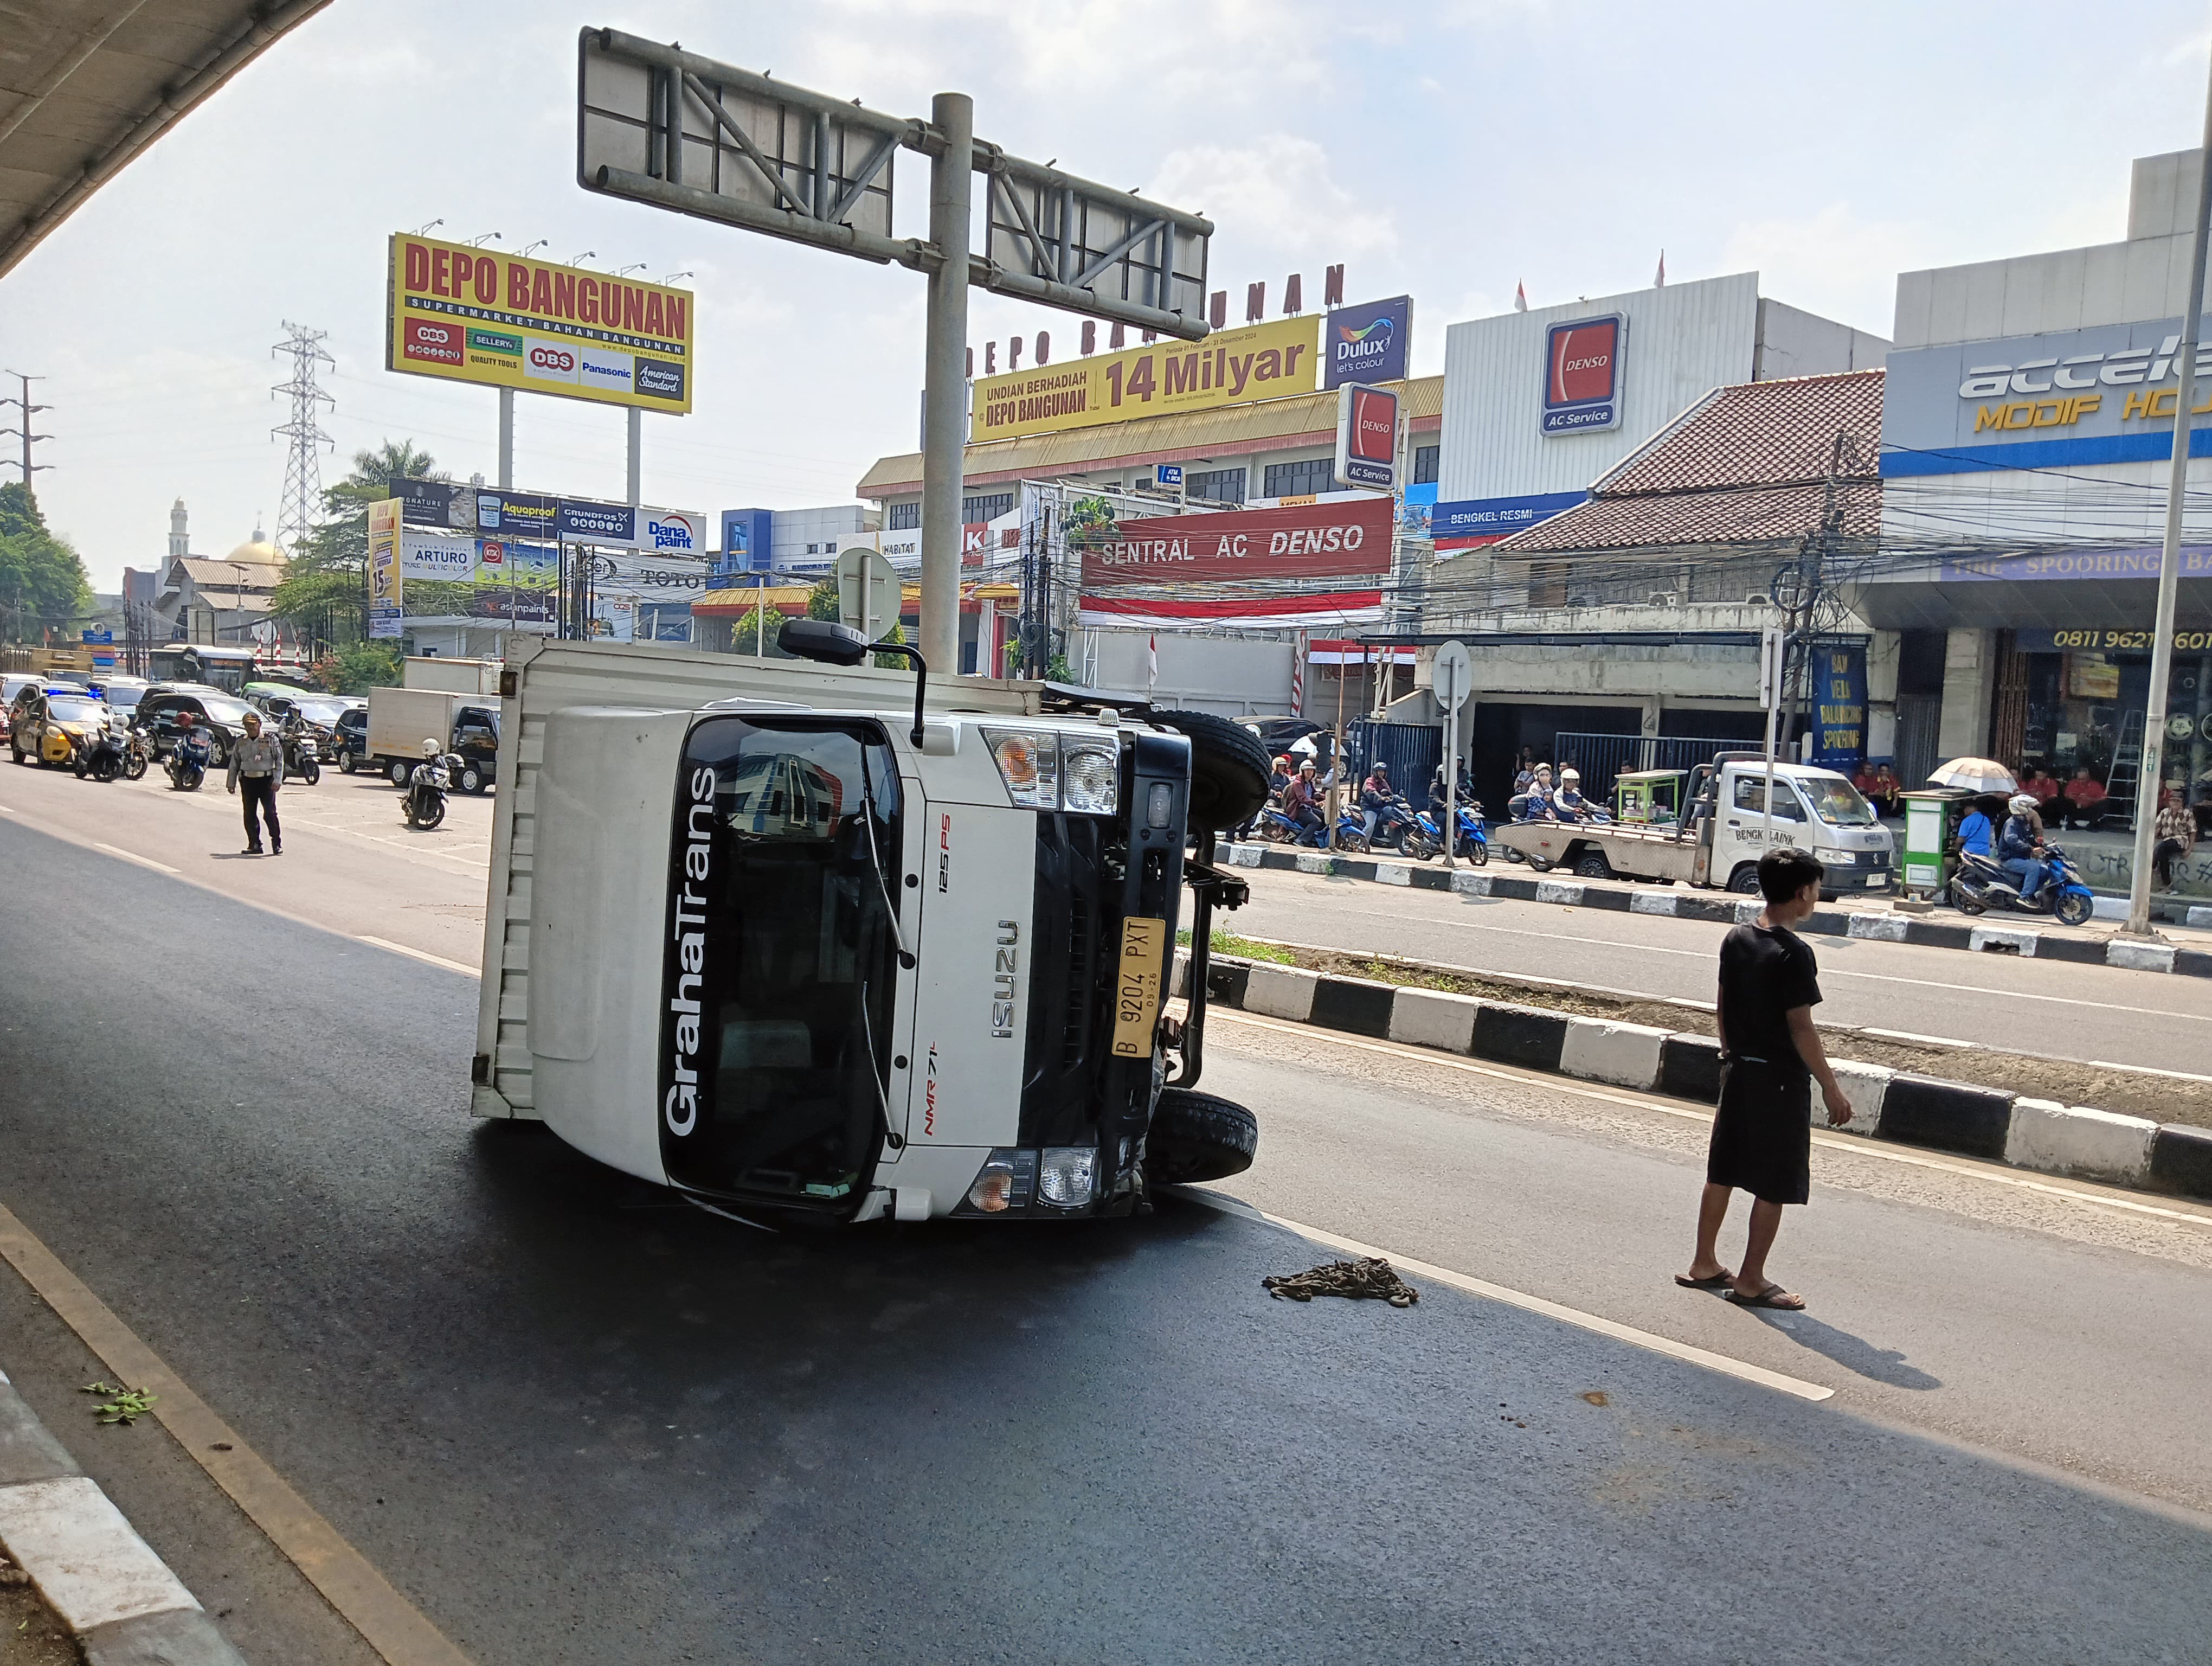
point(2027, 442)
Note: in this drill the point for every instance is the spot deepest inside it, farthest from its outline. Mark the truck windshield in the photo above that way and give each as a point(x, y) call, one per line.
point(1837, 802)
point(784, 938)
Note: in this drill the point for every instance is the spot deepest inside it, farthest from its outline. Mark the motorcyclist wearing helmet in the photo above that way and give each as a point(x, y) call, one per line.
point(1569, 801)
point(2020, 849)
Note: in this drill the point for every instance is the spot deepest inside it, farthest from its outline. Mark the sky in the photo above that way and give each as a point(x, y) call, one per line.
point(1450, 151)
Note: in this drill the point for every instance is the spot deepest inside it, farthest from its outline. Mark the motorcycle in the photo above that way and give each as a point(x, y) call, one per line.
point(1351, 831)
point(100, 758)
point(1980, 884)
point(138, 754)
point(302, 754)
point(423, 804)
point(1426, 838)
point(1394, 822)
point(187, 763)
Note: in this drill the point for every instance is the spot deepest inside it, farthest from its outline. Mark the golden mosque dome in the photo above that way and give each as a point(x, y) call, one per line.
point(257, 552)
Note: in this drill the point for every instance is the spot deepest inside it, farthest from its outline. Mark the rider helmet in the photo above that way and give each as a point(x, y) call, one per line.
point(1569, 775)
point(430, 748)
point(2020, 803)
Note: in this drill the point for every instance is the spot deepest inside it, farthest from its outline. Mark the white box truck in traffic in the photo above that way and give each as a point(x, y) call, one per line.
point(1724, 830)
point(772, 934)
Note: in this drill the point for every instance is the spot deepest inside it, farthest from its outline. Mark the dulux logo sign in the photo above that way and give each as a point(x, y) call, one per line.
point(667, 529)
point(1368, 342)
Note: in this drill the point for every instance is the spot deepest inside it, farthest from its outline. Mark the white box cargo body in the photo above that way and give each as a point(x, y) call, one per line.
point(432, 671)
point(401, 719)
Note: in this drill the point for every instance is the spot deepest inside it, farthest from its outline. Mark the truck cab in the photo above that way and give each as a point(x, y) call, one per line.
point(803, 953)
point(1816, 811)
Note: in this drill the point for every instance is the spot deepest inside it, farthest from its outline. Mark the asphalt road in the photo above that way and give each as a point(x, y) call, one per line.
point(2053, 1008)
point(571, 1422)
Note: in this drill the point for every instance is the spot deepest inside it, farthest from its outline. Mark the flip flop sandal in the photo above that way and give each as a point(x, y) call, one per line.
point(1716, 1282)
point(1773, 1295)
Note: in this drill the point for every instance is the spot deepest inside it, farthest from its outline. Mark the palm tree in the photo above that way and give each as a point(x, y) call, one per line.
point(324, 587)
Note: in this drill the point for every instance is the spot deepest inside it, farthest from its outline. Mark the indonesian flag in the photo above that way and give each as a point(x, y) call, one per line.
point(1151, 659)
point(1520, 297)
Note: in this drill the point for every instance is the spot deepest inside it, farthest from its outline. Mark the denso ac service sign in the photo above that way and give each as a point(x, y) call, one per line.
point(1582, 375)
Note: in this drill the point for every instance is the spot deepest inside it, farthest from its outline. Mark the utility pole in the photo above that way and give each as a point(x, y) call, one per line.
point(944, 395)
point(24, 404)
point(303, 469)
point(2152, 781)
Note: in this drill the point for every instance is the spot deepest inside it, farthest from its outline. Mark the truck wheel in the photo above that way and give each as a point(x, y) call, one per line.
point(1592, 864)
point(1229, 769)
point(471, 778)
point(399, 770)
point(1745, 878)
point(345, 764)
point(1198, 1137)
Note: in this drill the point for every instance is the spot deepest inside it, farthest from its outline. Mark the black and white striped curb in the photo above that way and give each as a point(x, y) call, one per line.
point(105, 1582)
point(1731, 910)
point(1886, 1105)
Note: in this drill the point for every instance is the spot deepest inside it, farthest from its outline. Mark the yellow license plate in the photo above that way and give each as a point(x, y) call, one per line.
point(1137, 987)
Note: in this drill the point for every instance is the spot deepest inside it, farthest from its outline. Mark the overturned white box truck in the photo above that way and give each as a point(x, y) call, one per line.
point(814, 940)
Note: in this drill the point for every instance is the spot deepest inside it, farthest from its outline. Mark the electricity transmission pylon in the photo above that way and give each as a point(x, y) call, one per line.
point(303, 469)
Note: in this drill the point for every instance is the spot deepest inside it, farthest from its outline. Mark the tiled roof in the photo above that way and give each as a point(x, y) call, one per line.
point(1748, 464)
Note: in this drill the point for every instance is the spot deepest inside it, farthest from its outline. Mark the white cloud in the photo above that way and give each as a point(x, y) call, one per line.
point(1835, 262)
point(1276, 198)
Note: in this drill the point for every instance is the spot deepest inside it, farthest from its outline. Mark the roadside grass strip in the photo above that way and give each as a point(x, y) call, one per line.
point(1899, 1107)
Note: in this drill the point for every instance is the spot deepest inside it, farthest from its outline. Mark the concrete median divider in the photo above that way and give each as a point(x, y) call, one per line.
point(1888, 1105)
point(2010, 934)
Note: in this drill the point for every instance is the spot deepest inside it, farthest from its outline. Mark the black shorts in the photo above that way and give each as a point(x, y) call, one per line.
point(1763, 1132)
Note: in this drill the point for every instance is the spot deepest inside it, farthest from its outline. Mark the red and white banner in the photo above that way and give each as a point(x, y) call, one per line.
point(1285, 565)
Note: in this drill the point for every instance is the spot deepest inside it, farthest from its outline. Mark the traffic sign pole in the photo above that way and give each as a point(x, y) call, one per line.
point(945, 393)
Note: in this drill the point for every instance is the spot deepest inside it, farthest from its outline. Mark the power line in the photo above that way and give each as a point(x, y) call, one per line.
point(303, 468)
point(29, 411)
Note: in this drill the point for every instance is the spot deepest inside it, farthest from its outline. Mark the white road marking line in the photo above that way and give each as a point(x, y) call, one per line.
point(1617, 944)
point(1913, 1035)
point(1528, 1303)
point(132, 856)
point(5, 811)
point(419, 954)
point(2150, 1070)
point(1858, 1146)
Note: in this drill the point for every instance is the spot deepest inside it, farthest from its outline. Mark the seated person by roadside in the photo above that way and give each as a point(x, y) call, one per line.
point(2019, 846)
point(1869, 783)
point(1887, 787)
point(2173, 836)
point(2049, 797)
point(2085, 799)
point(1977, 833)
point(1300, 798)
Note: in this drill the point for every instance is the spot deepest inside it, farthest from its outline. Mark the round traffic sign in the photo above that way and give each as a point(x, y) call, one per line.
point(1454, 675)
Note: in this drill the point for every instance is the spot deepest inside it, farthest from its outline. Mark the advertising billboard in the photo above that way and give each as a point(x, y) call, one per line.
point(1289, 563)
point(383, 579)
point(484, 510)
point(1840, 683)
point(1367, 436)
point(1367, 344)
point(2070, 399)
point(502, 320)
point(1230, 367)
point(1582, 375)
point(1469, 523)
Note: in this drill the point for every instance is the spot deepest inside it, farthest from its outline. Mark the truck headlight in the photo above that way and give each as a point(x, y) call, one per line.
point(1068, 1176)
point(1047, 770)
point(1091, 775)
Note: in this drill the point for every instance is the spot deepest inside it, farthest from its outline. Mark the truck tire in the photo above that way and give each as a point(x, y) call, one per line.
point(1197, 1137)
point(397, 771)
point(1745, 879)
point(1229, 769)
point(471, 778)
point(1592, 864)
point(345, 764)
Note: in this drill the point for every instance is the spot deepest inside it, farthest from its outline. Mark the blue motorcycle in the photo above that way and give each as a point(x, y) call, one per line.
point(1980, 883)
point(1277, 828)
point(1425, 838)
point(188, 761)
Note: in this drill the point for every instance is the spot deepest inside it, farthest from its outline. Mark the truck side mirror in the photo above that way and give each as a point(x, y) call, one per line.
point(823, 640)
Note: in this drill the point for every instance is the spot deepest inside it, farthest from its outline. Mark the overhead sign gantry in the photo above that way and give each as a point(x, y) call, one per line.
point(658, 125)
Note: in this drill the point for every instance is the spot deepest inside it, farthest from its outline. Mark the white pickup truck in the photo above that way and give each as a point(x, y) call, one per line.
point(801, 943)
point(1724, 830)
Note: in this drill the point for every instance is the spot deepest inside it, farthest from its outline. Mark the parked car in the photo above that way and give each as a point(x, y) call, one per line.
point(223, 716)
point(349, 738)
point(50, 722)
point(122, 695)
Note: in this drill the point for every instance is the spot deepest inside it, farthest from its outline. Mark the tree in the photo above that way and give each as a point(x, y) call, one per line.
point(359, 667)
point(324, 588)
point(42, 581)
point(764, 620)
point(822, 601)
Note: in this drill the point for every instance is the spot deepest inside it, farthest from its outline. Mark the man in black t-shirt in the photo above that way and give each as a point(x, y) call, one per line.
point(1770, 1055)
